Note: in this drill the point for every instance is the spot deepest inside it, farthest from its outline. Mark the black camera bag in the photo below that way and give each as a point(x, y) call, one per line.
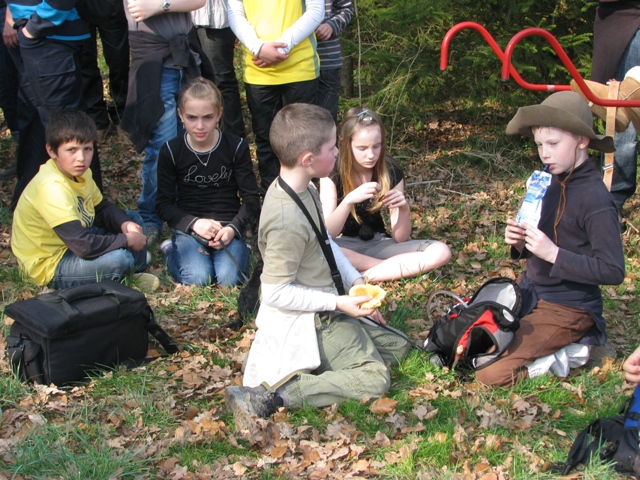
point(61, 336)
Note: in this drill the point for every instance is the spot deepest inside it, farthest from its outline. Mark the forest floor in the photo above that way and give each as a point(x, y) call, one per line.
point(167, 419)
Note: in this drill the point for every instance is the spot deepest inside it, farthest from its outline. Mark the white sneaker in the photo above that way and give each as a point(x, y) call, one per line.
point(146, 282)
point(166, 246)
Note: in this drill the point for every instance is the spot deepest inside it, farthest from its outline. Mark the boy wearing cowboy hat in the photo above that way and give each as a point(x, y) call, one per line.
point(575, 247)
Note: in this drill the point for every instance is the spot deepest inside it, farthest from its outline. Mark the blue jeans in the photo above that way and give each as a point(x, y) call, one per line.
point(192, 264)
point(626, 143)
point(115, 265)
point(166, 129)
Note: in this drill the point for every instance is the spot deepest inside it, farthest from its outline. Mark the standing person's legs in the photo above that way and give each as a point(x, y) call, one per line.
point(9, 84)
point(219, 44)
point(53, 71)
point(92, 90)
point(328, 95)
point(547, 329)
point(300, 92)
point(626, 143)
point(165, 130)
point(53, 80)
point(264, 101)
point(31, 151)
point(115, 48)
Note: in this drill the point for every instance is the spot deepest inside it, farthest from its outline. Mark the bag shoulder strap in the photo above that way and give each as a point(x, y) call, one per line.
point(323, 237)
point(169, 343)
point(610, 123)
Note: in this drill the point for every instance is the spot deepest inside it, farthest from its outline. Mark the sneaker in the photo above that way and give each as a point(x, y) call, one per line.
point(599, 353)
point(153, 234)
point(146, 282)
point(166, 246)
point(10, 172)
point(246, 403)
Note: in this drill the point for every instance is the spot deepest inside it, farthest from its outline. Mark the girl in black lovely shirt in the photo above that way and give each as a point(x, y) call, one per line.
point(207, 189)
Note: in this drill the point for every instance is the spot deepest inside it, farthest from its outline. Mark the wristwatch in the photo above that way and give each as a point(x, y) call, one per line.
point(166, 5)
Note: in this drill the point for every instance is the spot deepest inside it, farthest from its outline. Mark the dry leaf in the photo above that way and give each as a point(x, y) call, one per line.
point(383, 406)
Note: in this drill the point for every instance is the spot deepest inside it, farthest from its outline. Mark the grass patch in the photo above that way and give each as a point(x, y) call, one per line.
point(74, 453)
point(167, 419)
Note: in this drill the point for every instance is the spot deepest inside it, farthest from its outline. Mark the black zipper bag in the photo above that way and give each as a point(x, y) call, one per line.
point(61, 336)
point(613, 439)
point(475, 331)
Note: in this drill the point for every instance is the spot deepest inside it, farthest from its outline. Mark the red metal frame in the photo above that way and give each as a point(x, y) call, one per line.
point(508, 70)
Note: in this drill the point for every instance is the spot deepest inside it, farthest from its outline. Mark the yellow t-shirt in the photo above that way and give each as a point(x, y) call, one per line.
point(51, 199)
point(270, 19)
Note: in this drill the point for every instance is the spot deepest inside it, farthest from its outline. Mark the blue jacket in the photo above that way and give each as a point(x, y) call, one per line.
point(55, 19)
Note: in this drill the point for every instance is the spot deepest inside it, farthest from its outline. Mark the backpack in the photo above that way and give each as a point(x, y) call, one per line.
point(475, 331)
point(613, 439)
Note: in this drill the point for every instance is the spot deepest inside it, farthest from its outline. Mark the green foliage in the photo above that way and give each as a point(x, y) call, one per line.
point(396, 46)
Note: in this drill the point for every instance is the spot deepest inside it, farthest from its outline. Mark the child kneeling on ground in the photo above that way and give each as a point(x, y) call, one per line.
point(65, 233)
point(575, 247)
point(206, 187)
point(310, 347)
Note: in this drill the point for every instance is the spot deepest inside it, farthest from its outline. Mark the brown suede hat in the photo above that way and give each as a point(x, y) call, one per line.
point(602, 91)
point(564, 110)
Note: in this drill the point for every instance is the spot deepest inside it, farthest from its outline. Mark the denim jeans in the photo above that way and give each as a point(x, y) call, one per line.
point(626, 143)
point(166, 129)
point(218, 44)
point(265, 101)
point(329, 91)
point(192, 264)
point(115, 265)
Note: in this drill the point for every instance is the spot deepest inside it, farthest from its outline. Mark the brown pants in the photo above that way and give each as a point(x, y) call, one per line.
point(547, 329)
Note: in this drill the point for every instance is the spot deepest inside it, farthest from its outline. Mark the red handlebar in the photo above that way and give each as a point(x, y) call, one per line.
point(509, 70)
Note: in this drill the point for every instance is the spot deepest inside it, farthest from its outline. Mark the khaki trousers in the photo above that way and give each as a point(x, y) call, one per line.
point(355, 363)
point(547, 329)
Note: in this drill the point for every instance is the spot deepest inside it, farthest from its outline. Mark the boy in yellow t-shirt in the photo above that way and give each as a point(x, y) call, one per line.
point(64, 232)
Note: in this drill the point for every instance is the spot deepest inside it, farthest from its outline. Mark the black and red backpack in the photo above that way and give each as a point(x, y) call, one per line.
point(475, 331)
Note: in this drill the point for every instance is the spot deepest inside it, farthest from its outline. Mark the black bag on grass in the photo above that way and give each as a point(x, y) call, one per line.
point(59, 337)
point(613, 439)
point(476, 331)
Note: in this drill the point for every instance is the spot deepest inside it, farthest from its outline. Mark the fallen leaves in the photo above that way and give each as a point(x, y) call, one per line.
point(383, 406)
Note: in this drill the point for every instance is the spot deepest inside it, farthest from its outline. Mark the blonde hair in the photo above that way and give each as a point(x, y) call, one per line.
point(200, 88)
point(354, 119)
point(299, 128)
